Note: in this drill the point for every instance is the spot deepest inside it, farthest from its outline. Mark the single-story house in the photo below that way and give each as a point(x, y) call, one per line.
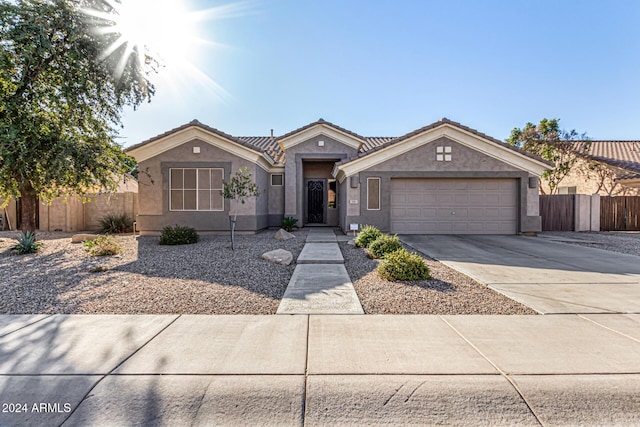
point(442, 178)
point(617, 171)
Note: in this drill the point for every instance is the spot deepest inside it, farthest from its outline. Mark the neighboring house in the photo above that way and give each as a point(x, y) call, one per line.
point(442, 178)
point(606, 168)
point(71, 214)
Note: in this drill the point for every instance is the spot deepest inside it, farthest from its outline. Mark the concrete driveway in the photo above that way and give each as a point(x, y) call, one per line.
point(550, 277)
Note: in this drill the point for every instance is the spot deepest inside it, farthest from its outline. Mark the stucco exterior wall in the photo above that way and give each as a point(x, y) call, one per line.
point(9, 215)
point(276, 201)
point(294, 170)
point(463, 159)
point(421, 163)
point(589, 183)
point(154, 213)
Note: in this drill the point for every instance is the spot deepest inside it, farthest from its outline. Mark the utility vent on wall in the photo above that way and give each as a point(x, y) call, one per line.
point(196, 150)
point(320, 143)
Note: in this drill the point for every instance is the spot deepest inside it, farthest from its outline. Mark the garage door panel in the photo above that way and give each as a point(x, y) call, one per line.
point(460, 199)
point(398, 198)
point(454, 206)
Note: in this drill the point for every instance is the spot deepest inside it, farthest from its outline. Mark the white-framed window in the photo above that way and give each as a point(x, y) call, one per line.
point(277, 180)
point(443, 154)
point(373, 194)
point(196, 189)
point(567, 190)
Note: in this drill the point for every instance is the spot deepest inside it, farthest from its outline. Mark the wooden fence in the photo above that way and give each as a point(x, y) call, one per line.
point(620, 213)
point(558, 212)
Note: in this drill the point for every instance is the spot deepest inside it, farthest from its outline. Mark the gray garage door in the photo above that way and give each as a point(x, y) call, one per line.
point(454, 206)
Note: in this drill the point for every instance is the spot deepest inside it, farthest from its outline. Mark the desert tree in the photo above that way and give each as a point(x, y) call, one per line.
point(238, 190)
point(63, 87)
point(546, 139)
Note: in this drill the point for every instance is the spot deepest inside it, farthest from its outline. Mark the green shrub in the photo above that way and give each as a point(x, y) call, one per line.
point(289, 223)
point(178, 235)
point(27, 244)
point(102, 246)
point(112, 224)
point(367, 235)
point(98, 269)
point(402, 265)
point(384, 245)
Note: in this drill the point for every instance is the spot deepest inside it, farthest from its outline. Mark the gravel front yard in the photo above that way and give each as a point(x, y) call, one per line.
point(209, 278)
point(205, 278)
point(447, 292)
point(625, 242)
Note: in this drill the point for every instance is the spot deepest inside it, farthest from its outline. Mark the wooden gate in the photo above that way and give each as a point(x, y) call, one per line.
point(558, 212)
point(620, 213)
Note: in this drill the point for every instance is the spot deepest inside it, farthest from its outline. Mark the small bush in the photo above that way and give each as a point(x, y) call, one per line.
point(289, 223)
point(27, 244)
point(178, 235)
point(98, 269)
point(402, 265)
point(384, 245)
point(110, 224)
point(102, 246)
point(367, 235)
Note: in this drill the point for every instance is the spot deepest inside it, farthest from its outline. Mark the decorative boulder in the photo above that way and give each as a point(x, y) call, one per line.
point(278, 256)
point(79, 238)
point(282, 234)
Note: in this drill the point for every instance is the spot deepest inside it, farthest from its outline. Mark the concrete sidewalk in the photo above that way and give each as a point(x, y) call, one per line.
point(549, 276)
point(320, 370)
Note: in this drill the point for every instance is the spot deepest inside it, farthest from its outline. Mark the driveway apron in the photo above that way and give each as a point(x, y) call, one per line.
point(548, 276)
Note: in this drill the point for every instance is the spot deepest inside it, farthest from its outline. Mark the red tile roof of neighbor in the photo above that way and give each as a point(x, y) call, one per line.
point(620, 154)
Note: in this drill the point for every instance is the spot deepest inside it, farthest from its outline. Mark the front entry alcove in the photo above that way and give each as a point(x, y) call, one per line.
point(320, 193)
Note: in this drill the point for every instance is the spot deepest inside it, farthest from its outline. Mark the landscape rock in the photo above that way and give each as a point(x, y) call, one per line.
point(79, 238)
point(282, 234)
point(278, 256)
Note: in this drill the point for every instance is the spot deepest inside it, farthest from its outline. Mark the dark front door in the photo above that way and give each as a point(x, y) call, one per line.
point(315, 201)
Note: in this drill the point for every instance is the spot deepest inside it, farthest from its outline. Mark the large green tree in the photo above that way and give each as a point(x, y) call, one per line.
point(548, 141)
point(61, 101)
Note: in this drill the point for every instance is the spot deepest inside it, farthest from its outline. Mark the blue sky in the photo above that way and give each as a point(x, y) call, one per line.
point(385, 68)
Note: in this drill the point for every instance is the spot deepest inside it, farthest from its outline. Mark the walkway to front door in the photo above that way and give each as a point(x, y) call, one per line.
point(320, 283)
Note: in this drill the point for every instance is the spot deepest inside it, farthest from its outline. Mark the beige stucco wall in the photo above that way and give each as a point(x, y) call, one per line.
point(71, 214)
point(586, 183)
point(10, 212)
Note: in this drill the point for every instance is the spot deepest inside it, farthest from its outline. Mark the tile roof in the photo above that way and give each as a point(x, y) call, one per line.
point(434, 125)
point(267, 144)
point(320, 122)
point(620, 154)
point(270, 146)
point(202, 126)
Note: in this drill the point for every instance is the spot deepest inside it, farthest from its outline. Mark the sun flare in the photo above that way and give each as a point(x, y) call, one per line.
point(164, 30)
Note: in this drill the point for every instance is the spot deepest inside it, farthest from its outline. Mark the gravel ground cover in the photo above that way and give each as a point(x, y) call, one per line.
point(205, 278)
point(447, 292)
point(626, 242)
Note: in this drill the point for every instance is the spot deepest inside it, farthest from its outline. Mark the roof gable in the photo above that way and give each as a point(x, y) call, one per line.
point(321, 127)
point(196, 130)
point(449, 129)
